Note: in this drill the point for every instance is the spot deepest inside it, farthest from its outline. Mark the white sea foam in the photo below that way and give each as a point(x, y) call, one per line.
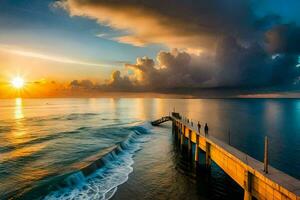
point(103, 183)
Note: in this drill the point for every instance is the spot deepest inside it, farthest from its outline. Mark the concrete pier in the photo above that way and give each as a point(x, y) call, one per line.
point(246, 171)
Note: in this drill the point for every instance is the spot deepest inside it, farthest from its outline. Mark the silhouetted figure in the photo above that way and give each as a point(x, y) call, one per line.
point(188, 121)
point(199, 127)
point(206, 129)
point(192, 124)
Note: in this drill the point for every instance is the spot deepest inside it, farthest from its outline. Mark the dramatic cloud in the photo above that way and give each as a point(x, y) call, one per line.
point(177, 23)
point(119, 83)
point(240, 65)
point(251, 66)
point(173, 70)
point(238, 48)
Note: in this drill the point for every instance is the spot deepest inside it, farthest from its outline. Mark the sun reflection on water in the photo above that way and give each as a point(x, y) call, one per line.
point(19, 108)
point(17, 135)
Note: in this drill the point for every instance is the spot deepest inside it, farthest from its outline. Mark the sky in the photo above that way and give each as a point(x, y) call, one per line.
point(90, 47)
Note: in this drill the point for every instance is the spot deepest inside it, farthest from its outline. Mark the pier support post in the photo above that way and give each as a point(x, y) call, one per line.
point(182, 137)
point(248, 186)
point(197, 148)
point(207, 155)
point(179, 133)
point(190, 142)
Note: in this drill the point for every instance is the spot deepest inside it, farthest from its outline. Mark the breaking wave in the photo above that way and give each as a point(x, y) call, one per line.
point(101, 178)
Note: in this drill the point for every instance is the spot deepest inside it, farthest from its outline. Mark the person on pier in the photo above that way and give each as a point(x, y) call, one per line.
point(199, 127)
point(206, 129)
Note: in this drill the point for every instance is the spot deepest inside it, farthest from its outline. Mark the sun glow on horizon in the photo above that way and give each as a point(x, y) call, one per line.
point(18, 82)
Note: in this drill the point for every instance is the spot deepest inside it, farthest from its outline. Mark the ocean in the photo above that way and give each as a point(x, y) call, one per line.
point(105, 148)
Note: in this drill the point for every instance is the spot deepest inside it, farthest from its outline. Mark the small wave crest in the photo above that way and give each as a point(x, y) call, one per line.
point(101, 179)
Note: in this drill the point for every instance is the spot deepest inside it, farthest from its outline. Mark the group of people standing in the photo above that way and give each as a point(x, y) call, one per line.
point(199, 126)
point(205, 128)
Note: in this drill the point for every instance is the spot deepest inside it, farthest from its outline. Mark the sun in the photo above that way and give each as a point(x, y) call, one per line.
point(18, 82)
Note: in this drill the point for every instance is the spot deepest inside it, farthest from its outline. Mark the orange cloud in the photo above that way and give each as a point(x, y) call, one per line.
point(176, 24)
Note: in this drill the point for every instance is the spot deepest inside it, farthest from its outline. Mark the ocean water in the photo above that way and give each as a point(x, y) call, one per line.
point(107, 149)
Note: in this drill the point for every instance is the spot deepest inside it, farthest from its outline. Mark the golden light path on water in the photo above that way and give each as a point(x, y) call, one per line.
point(19, 132)
point(19, 137)
point(19, 108)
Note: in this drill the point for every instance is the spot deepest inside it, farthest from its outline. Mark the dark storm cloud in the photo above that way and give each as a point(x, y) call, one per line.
point(284, 38)
point(238, 48)
point(240, 65)
point(284, 71)
point(251, 65)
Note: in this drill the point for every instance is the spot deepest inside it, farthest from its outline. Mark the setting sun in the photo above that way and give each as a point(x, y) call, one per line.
point(17, 82)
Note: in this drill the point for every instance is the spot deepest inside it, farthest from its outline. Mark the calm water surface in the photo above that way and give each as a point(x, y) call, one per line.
point(45, 143)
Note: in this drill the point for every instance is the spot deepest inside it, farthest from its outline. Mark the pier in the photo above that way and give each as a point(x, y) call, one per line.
point(258, 179)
